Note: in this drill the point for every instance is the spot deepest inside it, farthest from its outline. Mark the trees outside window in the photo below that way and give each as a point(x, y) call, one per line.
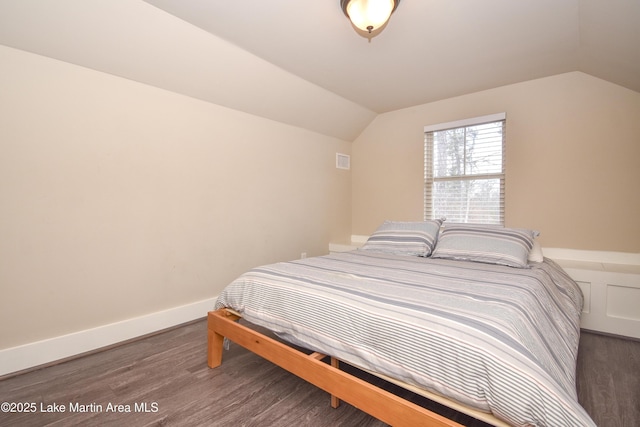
point(464, 171)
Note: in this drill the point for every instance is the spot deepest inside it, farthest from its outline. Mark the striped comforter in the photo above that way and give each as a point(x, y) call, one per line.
point(500, 339)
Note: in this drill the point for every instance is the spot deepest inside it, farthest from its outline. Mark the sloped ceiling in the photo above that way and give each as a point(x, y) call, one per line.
point(302, 63)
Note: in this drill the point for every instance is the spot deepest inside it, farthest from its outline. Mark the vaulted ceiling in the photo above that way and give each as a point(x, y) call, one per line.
point(302, 63)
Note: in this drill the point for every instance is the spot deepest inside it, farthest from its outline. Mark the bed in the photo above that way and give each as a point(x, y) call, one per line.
point(462, 315)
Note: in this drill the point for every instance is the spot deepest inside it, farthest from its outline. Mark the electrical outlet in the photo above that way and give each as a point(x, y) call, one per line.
point(303, 255)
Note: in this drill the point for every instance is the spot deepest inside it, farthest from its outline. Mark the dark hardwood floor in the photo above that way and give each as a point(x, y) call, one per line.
point(164, 380)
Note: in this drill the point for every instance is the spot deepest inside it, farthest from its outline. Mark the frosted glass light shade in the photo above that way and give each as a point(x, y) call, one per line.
point(368, 15)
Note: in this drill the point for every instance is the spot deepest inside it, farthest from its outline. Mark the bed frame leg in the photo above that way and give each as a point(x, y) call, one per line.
point(215, 341)
point(215, 345)
point(335, 401)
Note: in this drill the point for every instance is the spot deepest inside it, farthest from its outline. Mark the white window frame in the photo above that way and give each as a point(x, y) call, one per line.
point(428, 161)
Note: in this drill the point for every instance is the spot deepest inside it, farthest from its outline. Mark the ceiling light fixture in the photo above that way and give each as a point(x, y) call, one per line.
point(369, 15)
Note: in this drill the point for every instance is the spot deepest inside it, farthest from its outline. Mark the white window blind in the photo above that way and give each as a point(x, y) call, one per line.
point(464, 170)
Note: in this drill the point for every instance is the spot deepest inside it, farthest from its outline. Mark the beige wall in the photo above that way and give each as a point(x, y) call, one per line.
point(120, 199)
point(573, 161)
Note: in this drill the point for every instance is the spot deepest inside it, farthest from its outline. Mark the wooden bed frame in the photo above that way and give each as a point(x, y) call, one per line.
point(341, 385)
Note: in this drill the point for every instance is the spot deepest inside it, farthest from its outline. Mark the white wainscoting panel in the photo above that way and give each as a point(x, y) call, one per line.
point(612, 301)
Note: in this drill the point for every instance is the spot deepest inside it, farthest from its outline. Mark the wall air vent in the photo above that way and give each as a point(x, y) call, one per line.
point(343, 161)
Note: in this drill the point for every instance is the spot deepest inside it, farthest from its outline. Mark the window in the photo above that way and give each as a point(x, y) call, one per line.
point(464, 170)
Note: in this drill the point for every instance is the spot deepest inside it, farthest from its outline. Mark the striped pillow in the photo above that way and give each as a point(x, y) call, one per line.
point(405, 238)
point(485, 243)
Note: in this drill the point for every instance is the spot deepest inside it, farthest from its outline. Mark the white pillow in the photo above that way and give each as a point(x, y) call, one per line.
point(535, 255)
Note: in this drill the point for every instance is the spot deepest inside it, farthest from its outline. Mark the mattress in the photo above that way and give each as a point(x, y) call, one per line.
point(498, 339)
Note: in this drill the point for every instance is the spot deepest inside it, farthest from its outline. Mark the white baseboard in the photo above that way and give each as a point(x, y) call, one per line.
point(30, 355)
